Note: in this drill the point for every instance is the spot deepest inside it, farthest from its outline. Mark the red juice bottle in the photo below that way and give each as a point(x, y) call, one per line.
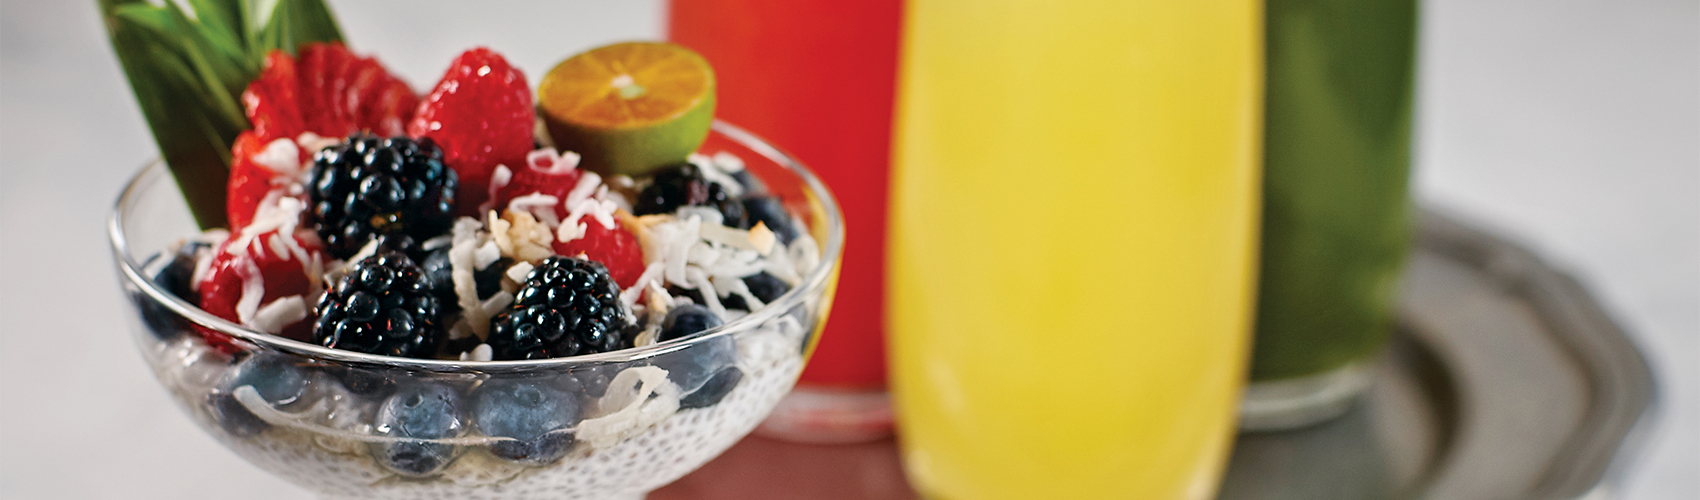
point(817, 78)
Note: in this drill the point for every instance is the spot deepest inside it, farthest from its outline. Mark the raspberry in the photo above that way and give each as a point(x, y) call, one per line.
point(616, 248)
point(285, 270)
point(328, 91)
point(369, 187)
point(538, 178)
point(566, 307)
point(481, 115)
point(384, 305)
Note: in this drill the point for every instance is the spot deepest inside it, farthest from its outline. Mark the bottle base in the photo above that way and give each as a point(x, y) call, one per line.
point(814, 415)
point(1283, 404)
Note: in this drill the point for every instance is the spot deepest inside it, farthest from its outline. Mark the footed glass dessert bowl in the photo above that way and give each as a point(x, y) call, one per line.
point(345, 424)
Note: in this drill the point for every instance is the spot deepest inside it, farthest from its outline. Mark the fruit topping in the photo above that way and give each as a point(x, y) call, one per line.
point(567, 306)
point(420, 412)
point(328, 91)
point(259, 170)
point(384, 305)
point(274, 377)
point(369, 186)
point(481, 115)
point(615, 248)
point(629, 108)
point(676, 186)
point(532, 413)
point(687, 319)
point(263, 276)
point(771, 212)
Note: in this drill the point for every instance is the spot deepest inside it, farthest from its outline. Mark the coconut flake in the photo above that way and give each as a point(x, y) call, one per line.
point(465, 244)
point(253, 291)
point(586, 187)
point(728, 162)
point(314, 142)
point(602, 211)
point(499, 179)
point(709, 297)
point(650, 273)
point(436, 242)
point(762, 238)
point(547, 161)
point(519, 271)
point(280, 156)
point(480, 353)
point(486, 255)
point(277, 315)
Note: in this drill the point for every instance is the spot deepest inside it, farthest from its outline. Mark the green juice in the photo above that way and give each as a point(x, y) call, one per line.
point(1337, 211)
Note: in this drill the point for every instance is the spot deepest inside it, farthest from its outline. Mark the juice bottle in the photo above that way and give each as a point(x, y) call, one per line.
point(1336, 218)
point(817, 78)
point(1072, 249)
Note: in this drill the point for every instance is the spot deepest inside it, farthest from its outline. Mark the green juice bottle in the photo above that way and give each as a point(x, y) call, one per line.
point(1337, 209)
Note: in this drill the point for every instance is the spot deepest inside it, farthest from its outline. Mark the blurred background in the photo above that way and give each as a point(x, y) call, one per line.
point(1572, 126)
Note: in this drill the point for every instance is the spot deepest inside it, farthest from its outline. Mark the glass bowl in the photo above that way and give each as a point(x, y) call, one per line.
point(350, 425)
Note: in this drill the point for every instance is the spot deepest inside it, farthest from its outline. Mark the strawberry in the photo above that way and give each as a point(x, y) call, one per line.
point(615, 247)
point(481, 115)
point(328, 91)
point(270, 100)
point(257, 170)
point(284, 270)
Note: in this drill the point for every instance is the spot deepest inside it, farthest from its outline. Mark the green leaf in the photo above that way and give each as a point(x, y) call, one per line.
point(188, 70)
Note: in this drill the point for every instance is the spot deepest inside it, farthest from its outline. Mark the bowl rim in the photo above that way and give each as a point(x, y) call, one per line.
point(816, 281)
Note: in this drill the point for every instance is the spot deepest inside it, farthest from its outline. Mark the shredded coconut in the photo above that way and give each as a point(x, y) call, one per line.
point(253, 291)
point(280, 156)
point(486, 255)
point(480, 353)
point(280, 313)
point(518, 272)
point(499, 179)
point(437, 242)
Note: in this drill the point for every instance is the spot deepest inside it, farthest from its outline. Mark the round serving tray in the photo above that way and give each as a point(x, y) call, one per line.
point(1506, 380)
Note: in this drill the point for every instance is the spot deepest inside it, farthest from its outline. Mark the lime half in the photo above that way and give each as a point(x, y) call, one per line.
point(629, 108)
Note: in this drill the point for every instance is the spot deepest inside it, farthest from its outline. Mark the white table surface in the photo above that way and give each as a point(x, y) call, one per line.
point(1571, 125)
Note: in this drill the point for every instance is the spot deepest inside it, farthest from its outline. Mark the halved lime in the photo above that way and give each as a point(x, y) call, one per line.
point(629, 108)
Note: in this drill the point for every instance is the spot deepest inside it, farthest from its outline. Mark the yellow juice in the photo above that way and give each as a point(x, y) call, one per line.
point(1073, 234)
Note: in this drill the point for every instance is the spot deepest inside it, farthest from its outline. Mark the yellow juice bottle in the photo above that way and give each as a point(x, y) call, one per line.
point(1073, 234)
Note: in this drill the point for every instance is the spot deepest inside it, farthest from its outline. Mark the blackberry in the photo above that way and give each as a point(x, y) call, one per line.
point(672, 187)
point(566, 307)
point(384, 306)
point(369, 186)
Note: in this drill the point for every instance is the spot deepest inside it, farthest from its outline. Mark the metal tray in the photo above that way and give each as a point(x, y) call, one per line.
point(1505, 381)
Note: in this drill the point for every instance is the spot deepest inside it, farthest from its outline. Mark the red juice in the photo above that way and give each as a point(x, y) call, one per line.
point(817, 78)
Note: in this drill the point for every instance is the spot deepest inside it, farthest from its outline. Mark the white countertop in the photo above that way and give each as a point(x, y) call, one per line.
point(1570, 125)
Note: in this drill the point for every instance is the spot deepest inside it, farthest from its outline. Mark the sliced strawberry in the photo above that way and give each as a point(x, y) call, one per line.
point(481, 115)
point(284, 270)
point(270, 100)
point(328, 91)
point(249, 182)
point(616, 248)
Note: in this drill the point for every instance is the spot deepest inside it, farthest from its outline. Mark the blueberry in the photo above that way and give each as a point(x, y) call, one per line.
point(422, 412)
point(687, 319)
point(529, 412)
point(714, 389)
point(692, 367)
point(766, 287)
point(274, 376)
point(751, 183)
point(769, 211)
point(175, 279)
